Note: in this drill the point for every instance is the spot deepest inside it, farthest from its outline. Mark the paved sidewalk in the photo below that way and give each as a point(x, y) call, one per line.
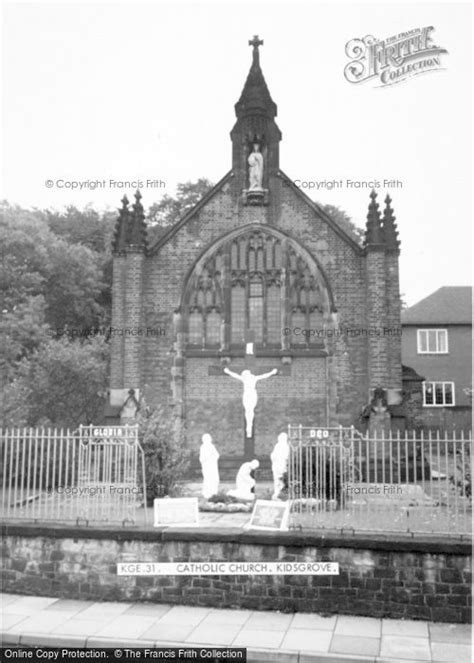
point(268, 636)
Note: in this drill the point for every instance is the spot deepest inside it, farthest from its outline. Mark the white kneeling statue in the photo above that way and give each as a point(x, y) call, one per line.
point(244, 482)
point(279, 457)
point(208, 457)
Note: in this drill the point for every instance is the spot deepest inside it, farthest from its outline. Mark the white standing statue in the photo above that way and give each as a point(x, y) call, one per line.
point(279, 457)
point(244, 481)
point(208, 457)
point(249, 397)
point(255, 162)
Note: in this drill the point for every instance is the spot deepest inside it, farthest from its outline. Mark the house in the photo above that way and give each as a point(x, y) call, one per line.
point(436, 343)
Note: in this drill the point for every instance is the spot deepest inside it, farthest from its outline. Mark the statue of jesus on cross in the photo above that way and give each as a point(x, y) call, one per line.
point(249, 397)
point(249, 376)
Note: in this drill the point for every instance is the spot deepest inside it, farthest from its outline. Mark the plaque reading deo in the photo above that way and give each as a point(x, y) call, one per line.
point(270, 515)
point(180, 511)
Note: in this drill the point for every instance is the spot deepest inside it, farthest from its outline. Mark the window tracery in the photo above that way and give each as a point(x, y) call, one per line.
point(258, 281)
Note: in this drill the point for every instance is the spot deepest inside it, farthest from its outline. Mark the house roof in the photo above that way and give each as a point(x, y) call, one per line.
point(447, 305)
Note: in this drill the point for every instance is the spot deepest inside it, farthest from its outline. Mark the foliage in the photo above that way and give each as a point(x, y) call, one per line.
point(85, 228)
point(284, 491)
point(320, 476)
point(223, 498)
point(63, 383)
point(23, 330)
point(69, 276)
point(166, 458)
point(462, 478)
point(345, 222)
point(169, 210)
point(25, 255)
point(54, 279)
point(93, 231)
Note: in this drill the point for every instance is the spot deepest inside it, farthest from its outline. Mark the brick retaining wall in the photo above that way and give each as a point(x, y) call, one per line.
point(393, 577)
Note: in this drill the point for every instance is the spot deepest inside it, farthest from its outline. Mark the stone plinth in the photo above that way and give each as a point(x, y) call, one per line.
point(255, 196)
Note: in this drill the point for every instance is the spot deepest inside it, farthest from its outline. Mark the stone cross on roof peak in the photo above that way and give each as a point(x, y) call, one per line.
point(255, 42)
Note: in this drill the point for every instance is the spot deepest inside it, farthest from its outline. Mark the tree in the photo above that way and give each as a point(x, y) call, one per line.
point(73, 286)
point(23, 331)
point(25, 255)
point(169, 210)
point(87, 227)
point(53, 283)
point(63, 384)
point(73, 279)
point(345, 222)
point(166, 458)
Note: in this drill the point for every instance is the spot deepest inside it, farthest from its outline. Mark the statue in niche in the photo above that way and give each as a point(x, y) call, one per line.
point(245, 481)
point(208, 457)
point(249, 397)
point(379, 415)
point(130, 408)
point(279, 458)
point(378, 404)
point(255, 161)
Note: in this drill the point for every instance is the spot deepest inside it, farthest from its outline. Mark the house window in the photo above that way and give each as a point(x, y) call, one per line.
point(438, 394)
point(432, 341)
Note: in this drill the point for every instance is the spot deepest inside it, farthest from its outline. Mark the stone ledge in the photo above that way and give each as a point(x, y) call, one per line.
point(328, 539)
point(312, 350)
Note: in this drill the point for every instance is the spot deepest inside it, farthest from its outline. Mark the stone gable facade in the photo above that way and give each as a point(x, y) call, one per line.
point(263, 258)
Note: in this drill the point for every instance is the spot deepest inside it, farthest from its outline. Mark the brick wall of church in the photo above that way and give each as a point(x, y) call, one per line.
point(299, 399)
point(345, 268)
point(166, 274)
point(214, 404)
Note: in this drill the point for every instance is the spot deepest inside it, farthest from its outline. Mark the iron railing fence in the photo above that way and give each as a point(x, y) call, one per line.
point(92, 474)
point(410, 482)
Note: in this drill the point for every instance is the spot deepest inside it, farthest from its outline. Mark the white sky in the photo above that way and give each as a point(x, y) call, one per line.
point(146, 91)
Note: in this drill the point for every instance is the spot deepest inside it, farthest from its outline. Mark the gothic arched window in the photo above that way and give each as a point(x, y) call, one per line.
point(257, 280)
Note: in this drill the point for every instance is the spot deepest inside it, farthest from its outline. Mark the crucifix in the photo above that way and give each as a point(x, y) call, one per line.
point(255, 42)
point(249, 378)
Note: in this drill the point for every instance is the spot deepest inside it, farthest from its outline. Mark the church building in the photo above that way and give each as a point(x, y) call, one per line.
point(256, 276)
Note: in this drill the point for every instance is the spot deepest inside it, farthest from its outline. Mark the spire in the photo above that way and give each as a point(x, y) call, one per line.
point(120, 234)
point(389, 226)
point(137, 233)
point(130, 231)
point(255, 97)
point(373, 232)
point(255, 123)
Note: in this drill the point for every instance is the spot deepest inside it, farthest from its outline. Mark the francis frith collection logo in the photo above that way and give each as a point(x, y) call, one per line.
point(394, 59)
